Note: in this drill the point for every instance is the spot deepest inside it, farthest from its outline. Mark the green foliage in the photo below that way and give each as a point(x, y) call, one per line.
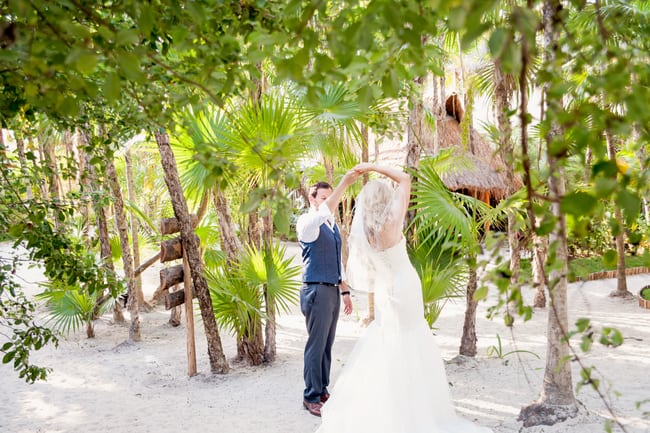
point(70, 307)
point(238, 289)
point(446, 236)
point(17, 314)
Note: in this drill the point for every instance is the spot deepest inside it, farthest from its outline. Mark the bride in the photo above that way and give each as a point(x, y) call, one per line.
point(394, 380)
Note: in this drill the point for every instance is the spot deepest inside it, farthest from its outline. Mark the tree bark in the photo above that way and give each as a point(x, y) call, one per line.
point(134, 231)
point(540, 246)
point(502, 96)
point(557, 401)
point(20, 148)
point(414, 143)
point(218, 362)
point(102, 227)
point(468, 340)
point(269, 302)
point(621, 279)
point(229, 240)
point(120, 221)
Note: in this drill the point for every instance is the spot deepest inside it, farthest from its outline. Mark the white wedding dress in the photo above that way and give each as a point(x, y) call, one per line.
point(394, 380)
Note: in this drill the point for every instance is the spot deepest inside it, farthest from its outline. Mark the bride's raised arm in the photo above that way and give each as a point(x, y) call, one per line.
point(402, 195)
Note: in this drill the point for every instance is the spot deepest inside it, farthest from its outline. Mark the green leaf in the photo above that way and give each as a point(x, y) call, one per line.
point(145, 20)
point(511, 58)
point(16, 230)
point(130, 65)
point(127, 37)
point(630, 203)
point(112, 87)
point(253, 202)
point(582, 324)
point(456, 18)
point(281, 220)
point(86, 63)
point(497, 42)
point(578, 203)
point(608, 168)
point(8, 357)
point(481, 293)
point(603, 187)
point(610, 258)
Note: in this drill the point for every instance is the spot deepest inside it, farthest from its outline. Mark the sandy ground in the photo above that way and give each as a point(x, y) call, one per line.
point(108, 384)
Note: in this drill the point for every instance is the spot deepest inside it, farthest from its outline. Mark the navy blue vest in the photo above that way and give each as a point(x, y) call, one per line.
point(322, 257)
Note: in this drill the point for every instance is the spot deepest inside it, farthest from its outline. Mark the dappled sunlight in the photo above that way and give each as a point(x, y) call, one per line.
point(469, 408)
point(37, 405)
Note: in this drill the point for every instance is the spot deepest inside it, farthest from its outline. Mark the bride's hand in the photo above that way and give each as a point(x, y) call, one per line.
point(364, 167)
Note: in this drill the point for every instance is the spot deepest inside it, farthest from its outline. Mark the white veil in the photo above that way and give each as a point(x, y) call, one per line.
point(370, 213)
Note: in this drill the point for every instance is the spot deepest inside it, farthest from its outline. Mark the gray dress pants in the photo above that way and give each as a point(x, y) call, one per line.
point(320, 304)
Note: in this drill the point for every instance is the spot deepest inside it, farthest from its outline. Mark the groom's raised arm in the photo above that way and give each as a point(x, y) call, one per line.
point(333, 200)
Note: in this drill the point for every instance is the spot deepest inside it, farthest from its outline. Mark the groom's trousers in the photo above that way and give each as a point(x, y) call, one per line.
point(320, 303)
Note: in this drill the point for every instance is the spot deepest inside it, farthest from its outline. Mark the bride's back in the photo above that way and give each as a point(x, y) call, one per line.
point(382, 215)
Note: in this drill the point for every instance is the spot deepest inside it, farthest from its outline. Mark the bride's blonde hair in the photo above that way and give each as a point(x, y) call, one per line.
point(373, 203)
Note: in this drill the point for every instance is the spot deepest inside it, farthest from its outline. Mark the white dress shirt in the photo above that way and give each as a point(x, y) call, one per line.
point(308, 226)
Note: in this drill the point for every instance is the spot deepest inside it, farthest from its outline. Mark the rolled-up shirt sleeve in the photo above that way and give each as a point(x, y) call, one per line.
point(308, 225)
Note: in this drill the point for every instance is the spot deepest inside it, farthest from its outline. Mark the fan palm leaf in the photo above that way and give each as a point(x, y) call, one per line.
point(70, 308)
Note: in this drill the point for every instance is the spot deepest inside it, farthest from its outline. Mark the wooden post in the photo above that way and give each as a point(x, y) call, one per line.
point(189, 317)
point(172, 249)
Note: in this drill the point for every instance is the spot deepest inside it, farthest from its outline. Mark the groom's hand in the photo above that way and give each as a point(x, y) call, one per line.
point(347, 301)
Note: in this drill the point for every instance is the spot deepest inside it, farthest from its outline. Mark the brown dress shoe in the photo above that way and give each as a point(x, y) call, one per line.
point(313, 408)
point(324, 397)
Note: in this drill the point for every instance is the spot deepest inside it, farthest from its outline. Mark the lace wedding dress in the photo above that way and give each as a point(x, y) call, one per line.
point(394, 380)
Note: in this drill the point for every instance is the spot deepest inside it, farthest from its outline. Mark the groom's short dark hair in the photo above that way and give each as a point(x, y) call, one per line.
point(313, 190)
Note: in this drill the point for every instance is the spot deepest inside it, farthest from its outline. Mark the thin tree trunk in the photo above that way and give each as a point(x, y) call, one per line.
point(540, 246)
point(120, 221)
point(230, 243)
point(364, 179)
point(502, 95)
point(414, 143)
point(621, 280)
point(557, 401)
point(250, 346)
point(86, 190)
point(269, 302)
point(468, 339)
point(102, 228)
point(134, 231)
point(20, 148)
point(218, 362)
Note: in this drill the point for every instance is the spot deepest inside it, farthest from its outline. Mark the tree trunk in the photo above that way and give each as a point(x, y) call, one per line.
point(414, 143)
point(134, 231)
point(232, 246)
point(621, 280)
point(86, 189)
point(218, 362)
point(468, 340)
point(540, 246)
point(269, 302)
point(502, 95)
point(120, 221)
point(557, 401)
point(364, 180)
point(102, 228)
point(229, 240)
point(20, 148)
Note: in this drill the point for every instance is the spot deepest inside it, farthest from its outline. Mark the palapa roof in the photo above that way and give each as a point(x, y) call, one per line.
point(479, 168)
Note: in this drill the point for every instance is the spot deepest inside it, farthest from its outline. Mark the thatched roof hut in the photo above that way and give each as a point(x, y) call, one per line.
point(480, 171)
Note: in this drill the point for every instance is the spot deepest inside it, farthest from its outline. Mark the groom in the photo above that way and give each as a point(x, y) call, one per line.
point(323, 285)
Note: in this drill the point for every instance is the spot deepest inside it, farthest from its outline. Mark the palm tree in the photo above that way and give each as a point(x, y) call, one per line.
point(240, 292)
point(447, 243)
